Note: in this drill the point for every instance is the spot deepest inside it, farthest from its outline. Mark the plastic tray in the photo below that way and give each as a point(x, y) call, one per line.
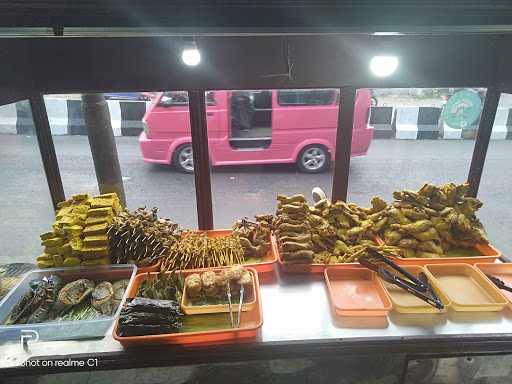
point(249, 299)
point(405, 302)
point(64, 330)
point(149, 268)
point(467, 288)
point(356, 292)
point(312, 268)
point(502, 271)
point(251, 321)
point(486, 254)
point(268, 261)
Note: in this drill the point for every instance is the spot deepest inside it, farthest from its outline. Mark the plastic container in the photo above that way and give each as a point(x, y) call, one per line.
point(502, 271)
point(249, 299)
point(467, 288)
point(356, 292)
point(268, 261)
point(405, 302)
point(64, 330)
point(485, 253)
point(149, 268)
point(312, 268)
point(250, 323)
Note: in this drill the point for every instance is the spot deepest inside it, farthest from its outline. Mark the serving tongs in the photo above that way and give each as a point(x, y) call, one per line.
point(499, 283)
point(386, 269)
point(230, 304)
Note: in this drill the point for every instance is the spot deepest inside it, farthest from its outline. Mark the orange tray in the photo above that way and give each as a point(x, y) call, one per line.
point(405, 302)
point(313, 268)
point(356, 292)
point(467, 287)
point(502, 271)
point(250, 323)
point(149, 268)
point(486, 254)
point(268, 261)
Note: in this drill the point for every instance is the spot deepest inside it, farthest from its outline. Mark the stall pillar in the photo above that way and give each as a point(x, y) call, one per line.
point(343, 144)
point(103, 146)
point(483, 135)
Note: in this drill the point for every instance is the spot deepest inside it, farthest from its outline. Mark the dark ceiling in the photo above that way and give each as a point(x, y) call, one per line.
point(261, 16)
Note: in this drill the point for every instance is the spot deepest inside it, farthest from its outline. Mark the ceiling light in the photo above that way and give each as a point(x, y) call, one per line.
point(383, 66)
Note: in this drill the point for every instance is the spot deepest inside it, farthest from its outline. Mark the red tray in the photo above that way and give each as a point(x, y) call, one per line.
point(251, 321)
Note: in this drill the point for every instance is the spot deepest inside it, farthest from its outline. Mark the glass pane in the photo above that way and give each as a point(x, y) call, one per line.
point(145, 134)
point(24, 195)
point(419, 136)
point(268, 142)
point(497, 179)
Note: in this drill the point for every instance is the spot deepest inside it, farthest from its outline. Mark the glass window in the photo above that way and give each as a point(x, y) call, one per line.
point(24, 196)
point(305, 97)
point(180, 98)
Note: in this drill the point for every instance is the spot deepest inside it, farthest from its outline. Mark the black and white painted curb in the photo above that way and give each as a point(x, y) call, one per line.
point(65, 117)
point(403, 123)
point(417, 123)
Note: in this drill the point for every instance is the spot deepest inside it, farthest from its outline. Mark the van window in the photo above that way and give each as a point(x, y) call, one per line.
point(180, 98)
point(305, 97)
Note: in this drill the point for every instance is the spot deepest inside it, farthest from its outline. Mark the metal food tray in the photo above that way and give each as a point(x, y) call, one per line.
point(63, 330)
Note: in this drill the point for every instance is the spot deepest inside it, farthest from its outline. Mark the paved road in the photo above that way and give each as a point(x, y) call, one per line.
point(238, 191)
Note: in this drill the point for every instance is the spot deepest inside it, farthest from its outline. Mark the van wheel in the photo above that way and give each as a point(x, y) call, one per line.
point(183, 159)
point(313, 159)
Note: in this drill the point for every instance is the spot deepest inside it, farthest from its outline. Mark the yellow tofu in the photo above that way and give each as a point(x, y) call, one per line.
point(46, 235)
point(63, 212)
point(96, 229)
point(57, 260)
point(53, 250)
point(81, 209)
point(73, 231)
point(111, 196)
point(71, 261)
point(44, 257)
point(101, 203)
point(95, 241)
point(102, 261)
point(80, 197)
point(94, 252)
point(106, 211)
point(53, 242)
point(66, 250)
point(97, 220)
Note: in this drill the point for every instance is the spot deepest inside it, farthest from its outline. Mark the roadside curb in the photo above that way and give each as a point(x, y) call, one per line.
point(65, 117)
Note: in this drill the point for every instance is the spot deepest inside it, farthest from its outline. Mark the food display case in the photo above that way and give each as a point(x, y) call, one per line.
point(291, 280)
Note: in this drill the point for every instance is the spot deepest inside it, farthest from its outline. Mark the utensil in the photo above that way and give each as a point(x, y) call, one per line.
point(230, 305)
point(499, 283)
point(240, 304)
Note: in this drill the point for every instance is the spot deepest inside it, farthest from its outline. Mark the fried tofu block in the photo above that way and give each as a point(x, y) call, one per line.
point(102, 261)
point(96, 229)
point(53, 242)
point(94, 252)
point(80, 197)
point(47, 235)
point(53, 250)
point(95, 241)
point(111, 196)
point(97, 220)
point(106, 211)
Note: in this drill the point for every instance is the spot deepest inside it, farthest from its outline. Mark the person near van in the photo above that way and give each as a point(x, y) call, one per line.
point(242, 111)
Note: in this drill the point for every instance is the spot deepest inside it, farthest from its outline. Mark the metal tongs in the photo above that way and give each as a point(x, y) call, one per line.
point(387, 270)
point(499, 283)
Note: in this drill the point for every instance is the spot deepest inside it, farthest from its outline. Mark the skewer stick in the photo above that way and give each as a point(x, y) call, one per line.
point(240, 304)
point(230, 305)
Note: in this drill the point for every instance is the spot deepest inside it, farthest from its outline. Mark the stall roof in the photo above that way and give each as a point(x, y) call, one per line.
point(263, 16)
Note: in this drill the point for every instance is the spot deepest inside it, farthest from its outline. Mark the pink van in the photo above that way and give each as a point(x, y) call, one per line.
point(255, 127)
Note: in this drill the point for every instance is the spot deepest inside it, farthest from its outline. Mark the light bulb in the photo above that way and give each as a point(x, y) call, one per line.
point(191, 56)
point(383, 66)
